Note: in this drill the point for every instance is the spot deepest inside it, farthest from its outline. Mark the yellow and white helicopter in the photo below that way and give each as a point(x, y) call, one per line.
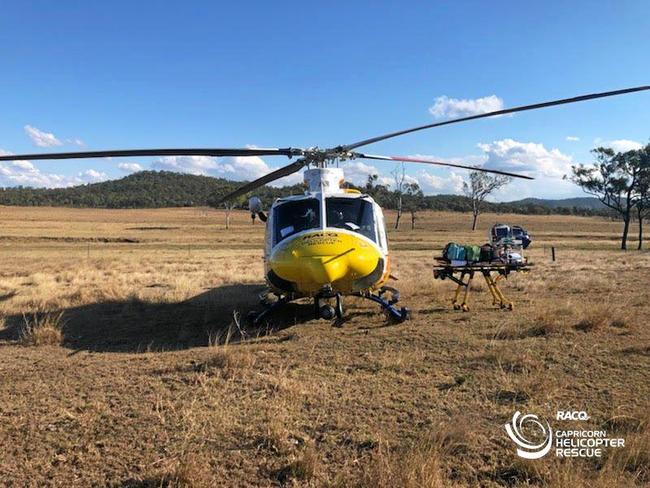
point(331, 241)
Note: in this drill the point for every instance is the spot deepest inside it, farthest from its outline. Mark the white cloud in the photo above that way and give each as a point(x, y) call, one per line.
point(130, 167)
point(357, 172)
point(408, 179)
point(41, 138)
point(76, 142)
point(24, 173)
point(14, 173)
point(431, 183)
point(243, 167)
point(525, 157)
point(572, 138)
point(624, 145)
point(445, 107)
point(91, 176)
point(533, 159)
point(547, 166)
point(235, 168)
point(196, 165)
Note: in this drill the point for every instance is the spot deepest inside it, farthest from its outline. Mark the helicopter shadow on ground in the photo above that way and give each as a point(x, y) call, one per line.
point(139, 326)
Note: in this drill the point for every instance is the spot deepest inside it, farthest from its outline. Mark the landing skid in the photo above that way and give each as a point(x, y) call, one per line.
point(388, 306)
point(269, 306)
point(335, 312)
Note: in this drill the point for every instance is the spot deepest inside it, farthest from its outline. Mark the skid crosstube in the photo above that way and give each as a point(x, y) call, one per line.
point(388, 306)
point(393, 313)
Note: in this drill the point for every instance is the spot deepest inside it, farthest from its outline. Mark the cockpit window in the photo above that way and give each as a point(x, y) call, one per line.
point(353, 214)
point(295, 216)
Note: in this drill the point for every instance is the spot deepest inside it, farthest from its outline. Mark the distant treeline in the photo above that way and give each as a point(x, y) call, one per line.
point(459, 203)
point(145, 189)
point(155, 189)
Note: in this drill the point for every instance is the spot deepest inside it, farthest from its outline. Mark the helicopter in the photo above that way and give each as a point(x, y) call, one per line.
point(330, 242)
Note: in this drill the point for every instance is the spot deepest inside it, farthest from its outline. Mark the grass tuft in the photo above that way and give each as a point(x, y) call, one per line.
point(508, 361)
point(42, 330)
point(225, 363)
point(424, 464)
point(599, 317)
point(543, 325)
point(304, 468)
point(186, 472)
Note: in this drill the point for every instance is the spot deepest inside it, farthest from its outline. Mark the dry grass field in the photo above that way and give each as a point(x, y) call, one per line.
point(122, 365)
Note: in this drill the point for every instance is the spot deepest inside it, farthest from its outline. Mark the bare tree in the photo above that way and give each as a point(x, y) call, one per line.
point(399, 175)
point(479, 187)
point(615, 179)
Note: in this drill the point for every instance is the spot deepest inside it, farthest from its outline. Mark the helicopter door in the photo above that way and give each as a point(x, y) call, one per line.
point(381, 228)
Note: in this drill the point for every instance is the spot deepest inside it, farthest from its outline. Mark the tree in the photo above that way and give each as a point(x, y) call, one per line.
point(479, 187)
point(413, 200)
point(228, 205)
point(643, 202)
point(615, 179)
point(399, 175)
point(380, 193)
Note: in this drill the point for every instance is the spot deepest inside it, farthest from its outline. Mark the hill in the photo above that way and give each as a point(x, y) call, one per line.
point(591, 203)
point(145, 189)
point(156, 189)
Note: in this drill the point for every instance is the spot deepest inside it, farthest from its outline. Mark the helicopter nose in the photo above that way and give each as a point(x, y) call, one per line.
point(330, 258)
point(325, 269)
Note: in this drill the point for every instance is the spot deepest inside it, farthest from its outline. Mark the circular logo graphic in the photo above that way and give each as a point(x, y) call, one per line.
point(526, 448)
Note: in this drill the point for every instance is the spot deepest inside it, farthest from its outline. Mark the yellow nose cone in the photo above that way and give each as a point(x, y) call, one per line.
point(325, 258)
point(325, 269)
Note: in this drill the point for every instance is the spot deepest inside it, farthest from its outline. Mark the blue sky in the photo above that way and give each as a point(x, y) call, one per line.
point(101, 75)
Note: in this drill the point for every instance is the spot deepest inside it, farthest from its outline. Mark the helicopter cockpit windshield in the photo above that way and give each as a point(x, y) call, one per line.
point(295, 216)
point(353, 214)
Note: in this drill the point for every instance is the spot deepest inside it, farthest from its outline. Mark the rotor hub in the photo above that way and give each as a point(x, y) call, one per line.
point(322, 157)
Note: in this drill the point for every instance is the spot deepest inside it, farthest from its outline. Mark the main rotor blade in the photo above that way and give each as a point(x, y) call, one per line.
point(121, 153)
point(408, 159)
point(522, 108)
point(274, 175)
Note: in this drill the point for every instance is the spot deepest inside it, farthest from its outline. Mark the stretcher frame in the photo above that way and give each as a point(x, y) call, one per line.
point(493, 272)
